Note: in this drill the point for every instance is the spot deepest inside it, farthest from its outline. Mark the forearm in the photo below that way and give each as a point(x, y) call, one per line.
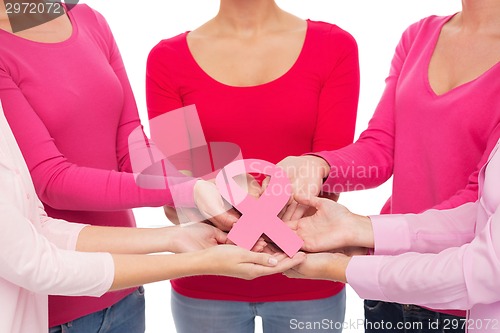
point(428, 232)
point(126, 240)
point(135, 270)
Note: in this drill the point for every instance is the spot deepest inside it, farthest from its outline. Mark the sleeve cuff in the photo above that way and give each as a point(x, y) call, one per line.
point(62, 233)
point(387, 228)
point(109, 269)
point(183, 193)
point(362, 275)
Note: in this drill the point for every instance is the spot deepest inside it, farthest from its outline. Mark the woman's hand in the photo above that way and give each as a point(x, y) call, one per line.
point(213, 207)
point(321, 266)
point(195, 236)
point(306, 174)
point(332, 227)
point(234, 261)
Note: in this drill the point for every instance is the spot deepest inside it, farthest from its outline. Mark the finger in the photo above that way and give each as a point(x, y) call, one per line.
point(282, 212)
point(293, 274)
point(309, 201)
point(299, 212)
point(289, 211)
point(292, 224)
point(220, 236)
point(262, 259)
point(229, 242)
point(280, 256)
point(254, 188)
point(224, 221)
point(265, 183)
point(288, 263)
point(272, 248)
point(259, 246)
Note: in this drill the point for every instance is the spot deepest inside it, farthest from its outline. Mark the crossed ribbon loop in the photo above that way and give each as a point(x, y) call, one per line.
point(259, 216)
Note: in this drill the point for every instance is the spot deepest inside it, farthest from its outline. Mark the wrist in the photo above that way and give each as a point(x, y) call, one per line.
point(170, 237)
point(319, 164)
point(362, 234)
point(205, 263)
point(338, 267)
point(196, 263)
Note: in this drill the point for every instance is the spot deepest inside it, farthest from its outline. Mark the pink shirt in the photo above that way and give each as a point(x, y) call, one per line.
point(36, 251)
point(71, 109)
point(442, 259)
point(433, 145)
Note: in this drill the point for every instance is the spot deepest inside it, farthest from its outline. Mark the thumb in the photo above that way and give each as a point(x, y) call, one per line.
point(309, 201)
point(263, 259)
point(224, 221)
point(220, 236)
point(292, 224)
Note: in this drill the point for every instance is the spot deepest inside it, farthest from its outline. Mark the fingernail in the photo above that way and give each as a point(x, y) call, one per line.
point(272, 261)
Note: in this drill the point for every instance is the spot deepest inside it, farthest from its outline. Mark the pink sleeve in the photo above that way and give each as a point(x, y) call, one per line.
point(374, 150)
point(60, 183)
point(338, 100)
point(31, 261)
point(430, 232)
point(64, 185)
point(162, 96)
point(452, 279)
point(62, 234)
point(470, 192)
point(161, 93)
point(129, 119)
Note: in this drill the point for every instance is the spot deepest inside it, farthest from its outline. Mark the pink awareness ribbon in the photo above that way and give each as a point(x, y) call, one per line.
point(259, 215)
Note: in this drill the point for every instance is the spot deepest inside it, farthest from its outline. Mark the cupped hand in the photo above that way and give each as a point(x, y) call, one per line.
point(196, 236)
point(234, 261)
point(213, 207)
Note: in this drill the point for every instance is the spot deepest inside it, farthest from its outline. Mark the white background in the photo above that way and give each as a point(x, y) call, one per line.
point(377, 27)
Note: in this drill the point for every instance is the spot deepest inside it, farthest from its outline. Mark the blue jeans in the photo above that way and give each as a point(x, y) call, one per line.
point(192, 315)
point(383, 317)
point(128, 315)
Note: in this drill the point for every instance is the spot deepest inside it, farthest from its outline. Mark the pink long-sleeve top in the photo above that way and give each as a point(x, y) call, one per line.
point(433, 145)
point(443, 258)
point(37, 252)
point(71, 109)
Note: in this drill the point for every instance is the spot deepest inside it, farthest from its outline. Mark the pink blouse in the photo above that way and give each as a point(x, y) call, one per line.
point(442, 259)
point(37, 252)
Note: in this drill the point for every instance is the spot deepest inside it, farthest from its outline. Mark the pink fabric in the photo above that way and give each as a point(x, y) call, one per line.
point(312, 107)
point(36, 251)
point(71, 109)
point(258, 216)
point(432, 145)
point(462, 273)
